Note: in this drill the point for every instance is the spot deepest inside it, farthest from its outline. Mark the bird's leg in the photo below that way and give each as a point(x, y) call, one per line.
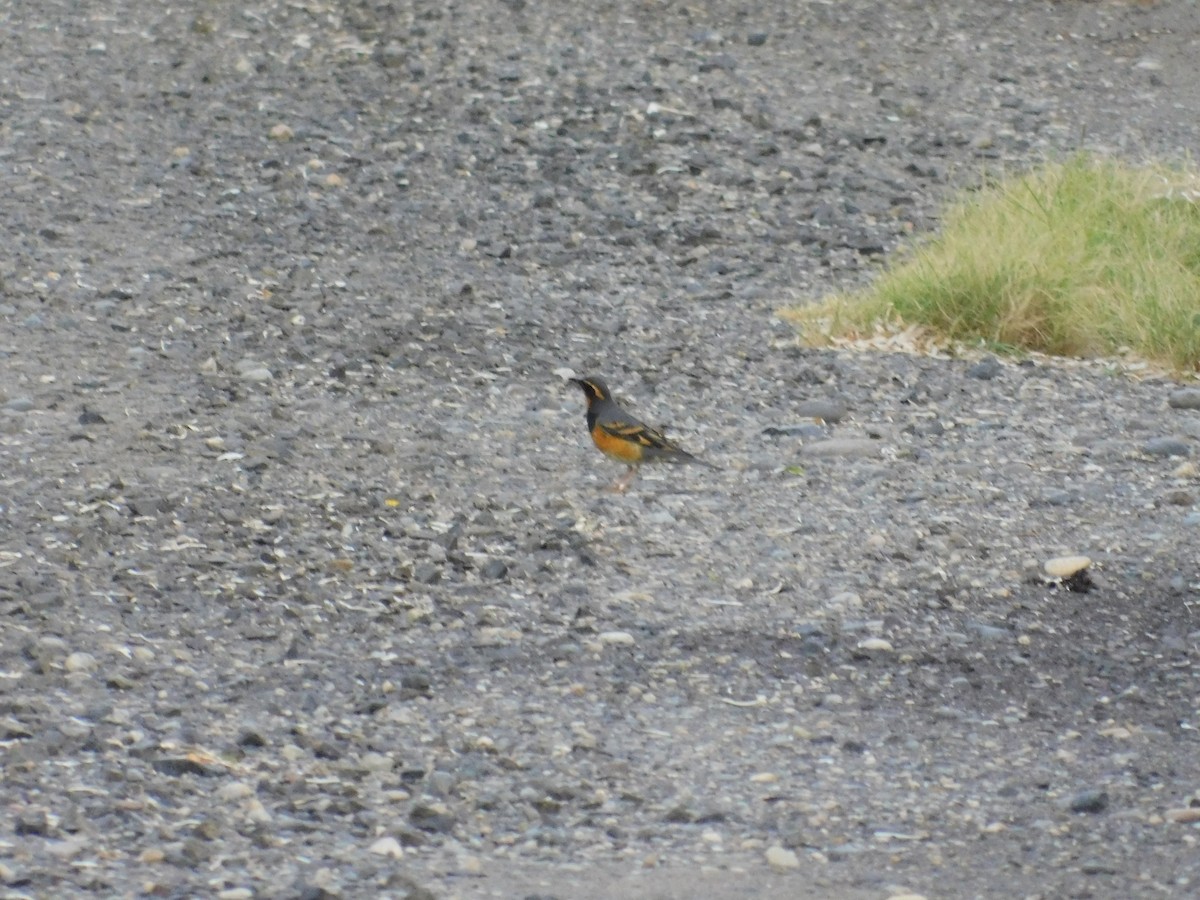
point(621, 485)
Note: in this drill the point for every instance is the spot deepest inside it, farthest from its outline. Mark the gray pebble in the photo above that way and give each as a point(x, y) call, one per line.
point(806, 430)
point(989, 632)
point(929, 428)
point(178, 766)
point(1057, 497)
point(494, 569)
point(426, 573)
point(251, 736)
point(432, 819)
point(19, 404)
point(416, 681)
point(1167, 446)
point(831, 411)
point(986, 369)
point(1092, 800)
point(1184, 398)
point(855, 448)
point(32, 821)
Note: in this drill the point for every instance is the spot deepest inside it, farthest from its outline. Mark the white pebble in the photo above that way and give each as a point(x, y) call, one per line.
point(875, 644)
point(377, 762)
point(143, 654)
point(387, 846)
point(79, 662)
point(782, 859)
point(616, 637)
point(256, 812)
point(235, 790)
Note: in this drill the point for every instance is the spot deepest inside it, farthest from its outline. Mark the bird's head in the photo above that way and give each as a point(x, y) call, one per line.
point(593, 389)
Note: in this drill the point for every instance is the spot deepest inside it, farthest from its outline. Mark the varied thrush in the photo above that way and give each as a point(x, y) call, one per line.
point(622, 437)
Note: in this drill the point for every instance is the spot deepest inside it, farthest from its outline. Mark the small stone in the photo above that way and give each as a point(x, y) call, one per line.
point(435, 819)
point(417, 682)
point(12, 729)
point(426, 573)
point(875, 645)
point(281, 132)
point(1066, 566)
point(234, 791)
point(238, 893)
point(1092, 800)
point(1183, 816)
point(471, 865)
point(67, 849)
point(855, 448)
point(781, 859)
point(251, 737)
point(387, 846)
point(376, 762)
point(178, 766)
point(496, 636)
point(80, 662)
point(680, 815)
point(120, 682)
point(807, 430)
point(622, 638)
point(986, 369)
point(257, 374)
point(143, 655)
point(19, 404)
point(756, 38)
point(830, 411)
point(257, 812)
point(494, 569)
point(1184, 398)
point(91, 417)
point(1167, 446)
point(989, 632)
point(32, 821)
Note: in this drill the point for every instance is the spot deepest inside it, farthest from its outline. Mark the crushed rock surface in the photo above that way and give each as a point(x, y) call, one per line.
point(309, 582)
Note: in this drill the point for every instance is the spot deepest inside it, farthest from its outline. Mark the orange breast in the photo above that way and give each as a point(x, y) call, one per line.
point(625, 451)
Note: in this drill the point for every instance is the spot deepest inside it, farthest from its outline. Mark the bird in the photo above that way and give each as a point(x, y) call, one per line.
point(624, 438)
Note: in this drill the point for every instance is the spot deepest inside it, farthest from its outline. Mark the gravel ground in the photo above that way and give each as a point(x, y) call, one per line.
point(310, 585)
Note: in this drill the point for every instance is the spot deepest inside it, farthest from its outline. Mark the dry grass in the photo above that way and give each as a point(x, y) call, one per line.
point(1085, 258)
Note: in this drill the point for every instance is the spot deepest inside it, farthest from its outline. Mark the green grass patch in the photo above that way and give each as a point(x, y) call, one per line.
point(1089, 257)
